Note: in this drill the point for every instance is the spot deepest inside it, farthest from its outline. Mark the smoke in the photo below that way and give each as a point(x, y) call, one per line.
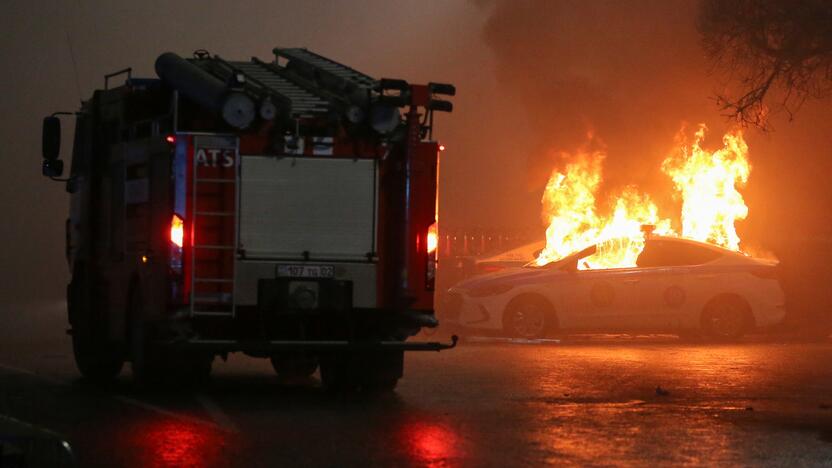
point(629, 72)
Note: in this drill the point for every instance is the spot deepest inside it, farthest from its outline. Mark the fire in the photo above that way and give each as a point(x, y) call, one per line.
point(706, 182)
point(574, 223)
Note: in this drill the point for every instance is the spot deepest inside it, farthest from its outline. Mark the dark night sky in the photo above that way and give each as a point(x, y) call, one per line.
point(531, 75)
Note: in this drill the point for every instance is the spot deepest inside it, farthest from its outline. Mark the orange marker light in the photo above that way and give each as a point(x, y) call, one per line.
point(144, 258)
point(177, 230)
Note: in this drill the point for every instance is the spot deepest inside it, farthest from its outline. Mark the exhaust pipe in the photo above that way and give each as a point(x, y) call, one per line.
point(236, 108)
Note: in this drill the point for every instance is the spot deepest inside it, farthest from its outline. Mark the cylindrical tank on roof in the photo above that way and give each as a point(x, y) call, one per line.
point(236, 108)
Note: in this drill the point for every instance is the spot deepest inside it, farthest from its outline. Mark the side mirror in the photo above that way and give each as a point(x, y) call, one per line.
point(53, 168)
point(51, 142)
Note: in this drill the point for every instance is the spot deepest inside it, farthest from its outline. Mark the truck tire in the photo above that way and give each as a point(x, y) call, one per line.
point(338, 375)
point(382, 372)
point(373, 372)
point(96, 357)
point(145, 361)
point(294, 365)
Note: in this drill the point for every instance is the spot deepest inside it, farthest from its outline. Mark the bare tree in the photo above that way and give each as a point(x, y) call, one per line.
point(772, 51)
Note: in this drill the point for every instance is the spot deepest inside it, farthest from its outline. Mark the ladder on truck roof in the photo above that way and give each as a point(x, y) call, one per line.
point(327, 66)
point(214, 226)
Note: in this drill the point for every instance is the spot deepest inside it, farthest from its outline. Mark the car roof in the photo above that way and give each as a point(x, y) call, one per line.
point(684, 240)
point(732, 254)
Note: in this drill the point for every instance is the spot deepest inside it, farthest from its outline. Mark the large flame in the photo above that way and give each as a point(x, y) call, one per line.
point(574, 223)
point(706, 183)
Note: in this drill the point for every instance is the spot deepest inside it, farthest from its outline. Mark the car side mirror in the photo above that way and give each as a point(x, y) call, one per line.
point(51, 138)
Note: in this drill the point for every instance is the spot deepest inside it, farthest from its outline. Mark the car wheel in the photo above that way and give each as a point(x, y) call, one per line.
point(726, 318)
point(528, 317)
point(689, 336)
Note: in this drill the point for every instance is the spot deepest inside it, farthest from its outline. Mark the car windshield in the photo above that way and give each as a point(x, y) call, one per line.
point(618, 252)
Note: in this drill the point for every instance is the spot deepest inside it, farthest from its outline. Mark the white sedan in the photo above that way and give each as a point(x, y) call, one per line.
point(678, 285)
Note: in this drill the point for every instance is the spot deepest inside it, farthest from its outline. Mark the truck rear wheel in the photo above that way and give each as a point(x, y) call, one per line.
point(294, 365)
point(96, 357)
point(368, 371)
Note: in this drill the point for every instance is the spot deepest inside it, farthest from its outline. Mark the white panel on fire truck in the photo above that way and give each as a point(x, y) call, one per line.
point(291, 208)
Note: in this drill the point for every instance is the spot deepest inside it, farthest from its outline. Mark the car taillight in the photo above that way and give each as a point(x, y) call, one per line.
point(177, 231)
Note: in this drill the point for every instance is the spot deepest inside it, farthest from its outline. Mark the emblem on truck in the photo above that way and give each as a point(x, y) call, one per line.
point(214, 157)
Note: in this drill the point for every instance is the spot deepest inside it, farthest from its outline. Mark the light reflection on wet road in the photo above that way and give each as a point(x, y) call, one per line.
point(584, 401)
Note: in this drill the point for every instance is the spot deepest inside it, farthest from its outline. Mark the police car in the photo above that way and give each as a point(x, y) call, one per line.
point(678, 285)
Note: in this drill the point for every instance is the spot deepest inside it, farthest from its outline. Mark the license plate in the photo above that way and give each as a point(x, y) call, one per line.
point(306, 271)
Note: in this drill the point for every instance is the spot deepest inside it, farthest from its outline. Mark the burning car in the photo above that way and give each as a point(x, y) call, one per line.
point(676, 285)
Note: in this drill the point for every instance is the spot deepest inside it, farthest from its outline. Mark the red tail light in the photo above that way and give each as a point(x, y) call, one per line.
point(178, 284)
point(432, 242)
point(432, 239)
point(177, 231)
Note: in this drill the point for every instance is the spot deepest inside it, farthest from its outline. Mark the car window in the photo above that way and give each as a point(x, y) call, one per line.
point(661, 253)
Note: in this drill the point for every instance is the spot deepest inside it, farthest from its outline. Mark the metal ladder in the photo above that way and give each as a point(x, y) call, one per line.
point(329, 66)
point(214, 221)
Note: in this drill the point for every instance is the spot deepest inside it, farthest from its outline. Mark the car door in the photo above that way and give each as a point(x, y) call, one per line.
point(667, 273)
point(595, 299)
point(655, 295)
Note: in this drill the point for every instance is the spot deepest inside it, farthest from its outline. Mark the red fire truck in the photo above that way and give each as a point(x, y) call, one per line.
point(286, 209)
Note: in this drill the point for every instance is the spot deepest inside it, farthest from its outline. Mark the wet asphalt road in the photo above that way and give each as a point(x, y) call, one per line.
point(585, 401)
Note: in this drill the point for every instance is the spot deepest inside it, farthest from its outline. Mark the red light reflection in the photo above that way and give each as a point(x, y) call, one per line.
point(180, 443)
point(431, 444)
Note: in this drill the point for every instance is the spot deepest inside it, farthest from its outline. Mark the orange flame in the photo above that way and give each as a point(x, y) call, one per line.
point(570, 207)
point(706, 182)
